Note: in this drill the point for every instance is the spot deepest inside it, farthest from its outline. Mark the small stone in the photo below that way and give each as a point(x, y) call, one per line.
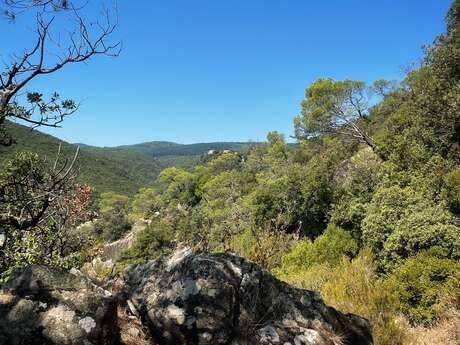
point(268, 334)
point(42, 305)
point(211, 292)
point(132, 308)
point(235, 269)
point(305, 300)
point(300, 340)
point(190, 321)
point(206, 336)
point(310, 337)
point(176, 314)
point(134, 332)
point(2, 240)
point(87, 324)
point(75, 272)
point(177, 258)
point(317, 296)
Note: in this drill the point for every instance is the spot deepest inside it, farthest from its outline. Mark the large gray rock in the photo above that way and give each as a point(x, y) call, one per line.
point(189, 298)
point(184, 298)
point(46, 306)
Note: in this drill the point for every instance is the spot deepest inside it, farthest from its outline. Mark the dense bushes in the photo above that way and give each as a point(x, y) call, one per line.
point(400, 222)
point(39, 210)
point(328, 248)
point(421, 282)
point(452, 191)
point(354, 286)
point(364, 207)
point(113, 221)
point(154, 240)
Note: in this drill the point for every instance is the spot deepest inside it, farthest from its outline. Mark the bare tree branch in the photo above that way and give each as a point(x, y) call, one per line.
point(27, 196)
point(85, 40)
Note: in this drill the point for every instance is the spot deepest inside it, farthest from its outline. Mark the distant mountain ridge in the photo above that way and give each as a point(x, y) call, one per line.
point(123, 169)
point(165, 148)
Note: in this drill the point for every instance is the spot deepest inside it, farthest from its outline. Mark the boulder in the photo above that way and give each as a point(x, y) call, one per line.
point(182, 299)
point(189, 298)
point(48, 306)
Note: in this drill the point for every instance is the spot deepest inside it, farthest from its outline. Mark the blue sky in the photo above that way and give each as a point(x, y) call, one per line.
point(232, 70)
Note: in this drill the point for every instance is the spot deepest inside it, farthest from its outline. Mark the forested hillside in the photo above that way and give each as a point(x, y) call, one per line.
point(364, 208)
point(164, 148)
point(122, 169)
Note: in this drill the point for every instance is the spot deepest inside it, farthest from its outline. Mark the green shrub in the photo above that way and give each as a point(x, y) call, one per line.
point(264, 247)
point(421, 281)
point(452, 191)
point(243, 244)
point(51, 246)
point(313, 278)
point(401, 221)
point(113, 221)
point(328, 248)
point(357, 179)
point(154, 240)
point(142, 204)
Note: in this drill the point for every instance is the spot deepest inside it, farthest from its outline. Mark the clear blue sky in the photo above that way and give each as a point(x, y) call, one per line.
point(233, 70)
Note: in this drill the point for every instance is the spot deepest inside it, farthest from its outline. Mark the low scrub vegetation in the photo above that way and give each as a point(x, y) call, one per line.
point(364, 207)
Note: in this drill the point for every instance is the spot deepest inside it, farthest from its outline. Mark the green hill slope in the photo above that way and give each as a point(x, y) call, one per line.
point(183, 155)
point(107, 169)
point(122, 169)
point(165, 148)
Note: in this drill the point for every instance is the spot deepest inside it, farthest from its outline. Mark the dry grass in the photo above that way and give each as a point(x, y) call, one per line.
point(336, 339)
point(6, 298)
point(444, 332)
point(131, 330)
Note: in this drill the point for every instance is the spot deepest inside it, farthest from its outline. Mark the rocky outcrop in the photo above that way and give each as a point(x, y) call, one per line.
point(184, 298)
point(44, 306)
point(216, 299)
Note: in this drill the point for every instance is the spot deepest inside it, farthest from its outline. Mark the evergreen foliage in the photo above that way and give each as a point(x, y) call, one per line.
point(364, 207)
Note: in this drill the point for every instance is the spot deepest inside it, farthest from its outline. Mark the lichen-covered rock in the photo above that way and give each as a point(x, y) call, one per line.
point(189, 298)
point(184, 298)
point(47, 306)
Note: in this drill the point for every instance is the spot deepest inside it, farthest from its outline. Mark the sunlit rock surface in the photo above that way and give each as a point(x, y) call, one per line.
point(184, 298)
point(49, 306)
point(189, 298)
